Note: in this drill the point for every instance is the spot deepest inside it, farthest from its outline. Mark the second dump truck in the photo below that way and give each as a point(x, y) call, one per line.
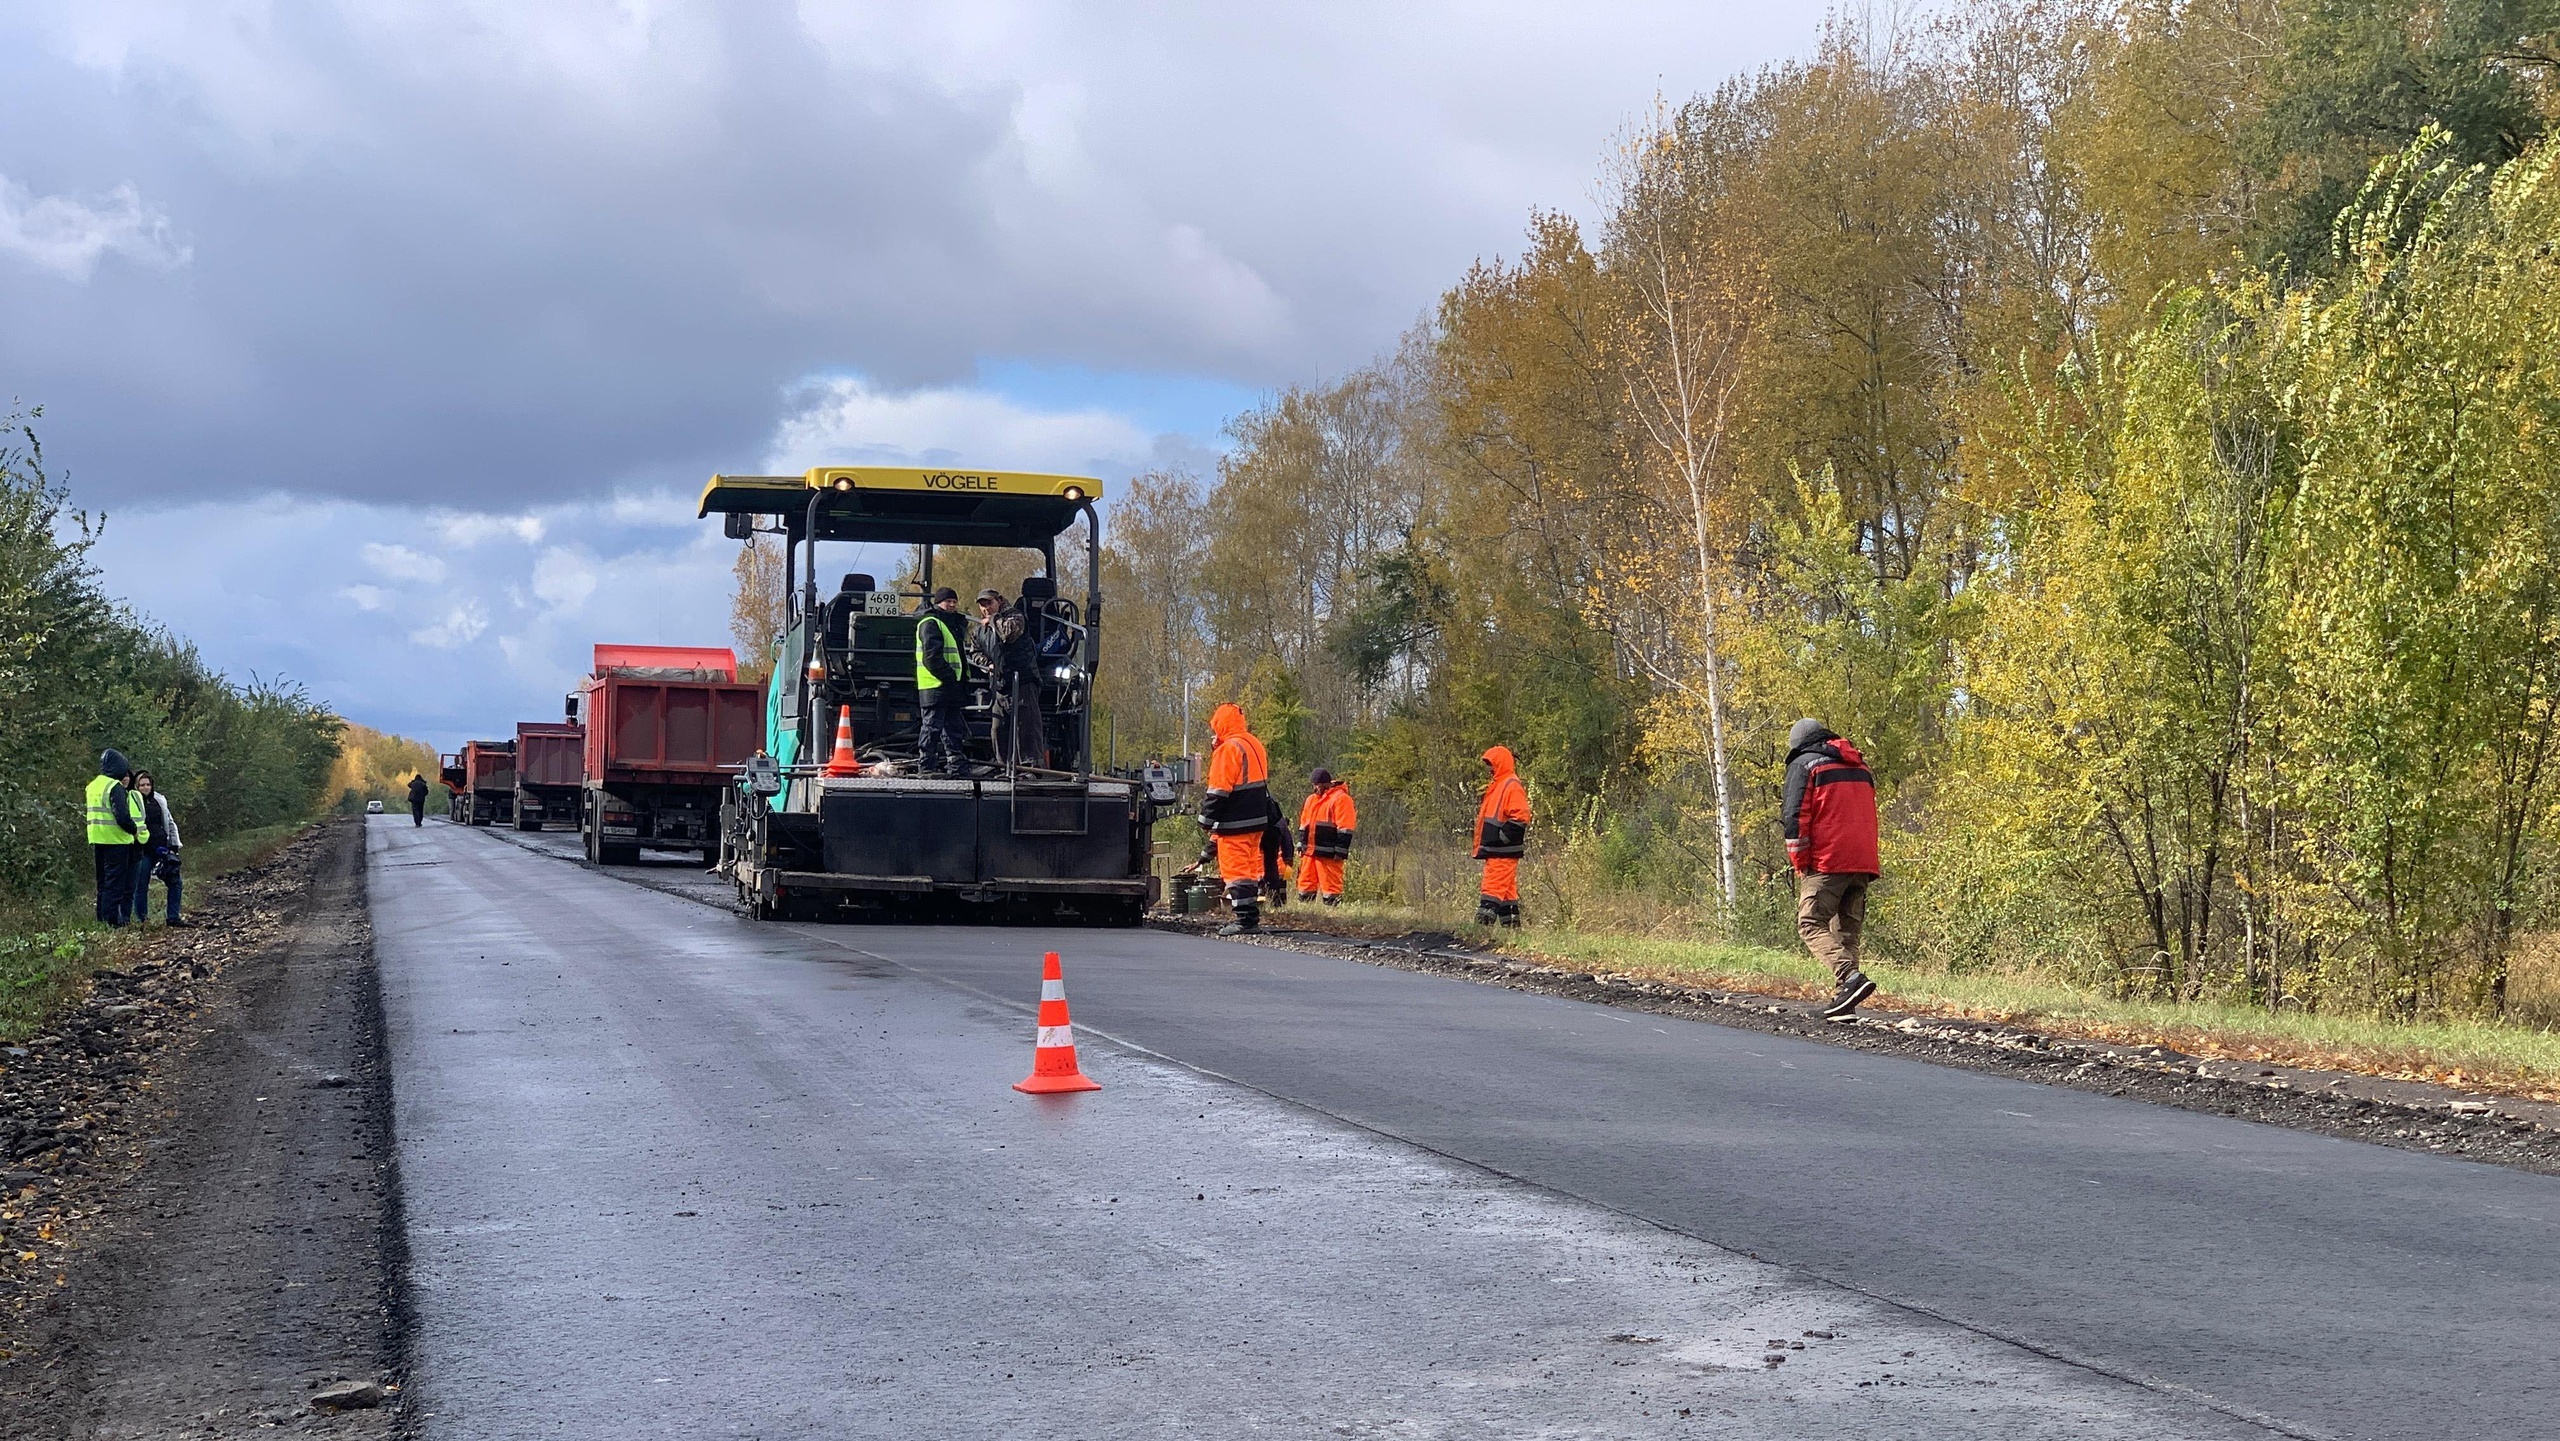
point(488, 793)
point(551, 762)
point(1043, 838)
point(667, 729)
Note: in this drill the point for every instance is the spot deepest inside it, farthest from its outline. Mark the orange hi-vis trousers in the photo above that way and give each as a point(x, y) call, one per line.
point(1501, 879)
point(1240, 858)
point(1320, 876)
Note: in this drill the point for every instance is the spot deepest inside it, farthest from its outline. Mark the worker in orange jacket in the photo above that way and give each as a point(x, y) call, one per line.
point(1237, 808)
point(1325, 826)
point(1502, 837)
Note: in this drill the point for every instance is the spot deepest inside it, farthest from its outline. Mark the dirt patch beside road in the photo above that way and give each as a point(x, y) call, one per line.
point(202, 1221)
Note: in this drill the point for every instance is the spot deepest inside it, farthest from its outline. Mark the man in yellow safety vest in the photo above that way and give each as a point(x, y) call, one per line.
point(115, 837)
point(942, 742)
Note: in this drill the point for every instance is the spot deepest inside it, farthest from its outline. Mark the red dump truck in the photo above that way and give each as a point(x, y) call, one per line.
point(457, 782)
point(489, 783)
point(665, 727)
point(551, 768)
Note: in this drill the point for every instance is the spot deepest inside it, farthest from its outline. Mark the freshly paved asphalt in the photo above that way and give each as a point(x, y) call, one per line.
point(886, 1241)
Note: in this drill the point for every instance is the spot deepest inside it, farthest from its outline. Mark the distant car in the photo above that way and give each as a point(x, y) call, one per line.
point(373, 808)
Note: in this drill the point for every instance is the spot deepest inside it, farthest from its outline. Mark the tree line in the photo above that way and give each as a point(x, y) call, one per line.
point(80, 672)
point(2131, 423)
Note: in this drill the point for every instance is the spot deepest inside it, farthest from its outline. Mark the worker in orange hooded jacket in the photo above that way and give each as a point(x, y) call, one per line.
point(1502, 837)
point(1326, 824)
point(1236, 809)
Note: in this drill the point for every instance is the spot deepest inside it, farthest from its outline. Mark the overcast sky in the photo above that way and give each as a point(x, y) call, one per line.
point(396, 337)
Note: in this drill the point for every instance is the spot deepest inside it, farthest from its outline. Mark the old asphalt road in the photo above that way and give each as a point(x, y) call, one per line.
point(670, 1173)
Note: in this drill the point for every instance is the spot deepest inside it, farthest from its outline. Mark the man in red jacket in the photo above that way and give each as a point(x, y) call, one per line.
point(1830, 820)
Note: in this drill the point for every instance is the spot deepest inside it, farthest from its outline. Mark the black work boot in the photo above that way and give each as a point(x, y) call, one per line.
point(1333, 900)
point(1854, 988)
point(1511, 914)
point(1248, 918)
point(1487, 914)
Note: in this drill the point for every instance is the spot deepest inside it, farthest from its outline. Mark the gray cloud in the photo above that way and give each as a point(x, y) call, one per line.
point(399, 335)
point(469, 253)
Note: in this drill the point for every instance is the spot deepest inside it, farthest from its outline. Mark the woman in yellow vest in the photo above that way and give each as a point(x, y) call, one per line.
point(114, 837)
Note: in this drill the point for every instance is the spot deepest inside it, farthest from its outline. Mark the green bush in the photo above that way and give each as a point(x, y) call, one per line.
point(80, 673)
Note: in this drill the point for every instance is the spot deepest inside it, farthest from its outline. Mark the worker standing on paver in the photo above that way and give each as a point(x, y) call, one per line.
point(942, 745)
point(1829, 816)
point(114, 837)
point(417, 800)
point(1325, 827)
point(1235, 811)
point(1009, 649)
point(1502, 838)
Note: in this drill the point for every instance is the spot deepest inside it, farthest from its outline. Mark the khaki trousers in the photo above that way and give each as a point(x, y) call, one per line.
point(1830, 912)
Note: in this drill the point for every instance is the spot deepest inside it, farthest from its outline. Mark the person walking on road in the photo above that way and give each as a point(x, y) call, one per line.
point(417, 800)
point(942, 743)
point(1502, 838)
point(1325, 826)
point(1829, 815)
point(114, 837)
point(1235, 811)
point(158, 853)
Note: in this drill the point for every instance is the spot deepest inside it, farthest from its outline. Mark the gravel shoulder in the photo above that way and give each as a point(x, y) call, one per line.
point(2498, 1130)
point(202, 1217)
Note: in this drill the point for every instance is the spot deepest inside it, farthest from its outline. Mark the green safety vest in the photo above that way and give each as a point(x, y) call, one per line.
point(103, 830)
point(941, 625)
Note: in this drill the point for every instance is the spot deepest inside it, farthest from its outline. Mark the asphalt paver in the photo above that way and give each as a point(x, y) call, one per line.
point(672, 1172)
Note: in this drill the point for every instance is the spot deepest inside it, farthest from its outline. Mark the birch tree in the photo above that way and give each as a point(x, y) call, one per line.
point(1690, 293)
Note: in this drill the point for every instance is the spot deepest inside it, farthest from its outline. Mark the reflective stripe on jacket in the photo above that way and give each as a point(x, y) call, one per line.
point(110, 813)
point(1502, 821)
point(928, 675)
point(1328, 821)
point(1239, 799)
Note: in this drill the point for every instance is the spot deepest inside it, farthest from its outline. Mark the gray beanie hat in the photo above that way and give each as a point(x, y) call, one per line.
point(1807, 732)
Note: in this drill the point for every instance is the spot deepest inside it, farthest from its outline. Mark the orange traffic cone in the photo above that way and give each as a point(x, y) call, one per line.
point(842, 762)
point(1053, 1055)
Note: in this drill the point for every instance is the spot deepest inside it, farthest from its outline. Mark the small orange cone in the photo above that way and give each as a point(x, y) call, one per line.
point(1053, 1055)
point(842, 763)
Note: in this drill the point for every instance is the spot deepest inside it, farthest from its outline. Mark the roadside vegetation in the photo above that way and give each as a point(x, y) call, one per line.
point(2132, 424)
point(375, 766)
point(243, 763)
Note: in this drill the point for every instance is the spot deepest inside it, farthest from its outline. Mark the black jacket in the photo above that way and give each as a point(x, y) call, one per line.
point(1277, 848)
point(417, 789)
point(149, 810)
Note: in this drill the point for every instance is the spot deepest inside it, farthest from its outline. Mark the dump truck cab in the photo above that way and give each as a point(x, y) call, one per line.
point(1010, 836)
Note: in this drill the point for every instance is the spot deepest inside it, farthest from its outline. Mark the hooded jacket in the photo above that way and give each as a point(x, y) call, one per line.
point(1829, 810)
point(1239, 790)
point(1328, 821)
point(1502, 821)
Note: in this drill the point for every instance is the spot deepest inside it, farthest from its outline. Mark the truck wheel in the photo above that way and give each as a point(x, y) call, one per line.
point(527, 823)
point(622, 855)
